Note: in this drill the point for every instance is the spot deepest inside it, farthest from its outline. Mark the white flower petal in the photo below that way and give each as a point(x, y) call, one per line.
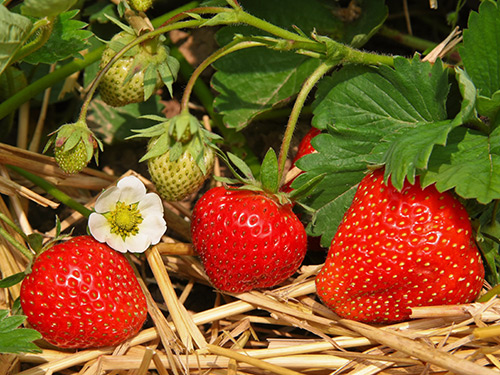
point(107, 200)
point(138, 243)
point(150, 205)
point(132, 190)
point(99, 227)
point(154, 227)
point(116, 242)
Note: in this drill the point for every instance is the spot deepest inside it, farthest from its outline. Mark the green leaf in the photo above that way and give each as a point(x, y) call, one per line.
point(12, 280)
point(470, 164)
point(326, 220)
point(66, 40)
point(340, 160)
point(100, 12)
point(150, 79)
point(481, 48)
point(14, 339)
point(14, 31)
point(35, 241)
point(489, 106)
point(241, 165)
point(45, 8)
point(411, 148)
point(269, 172)
point(252, 81)
point(469, 94)
point(413, 92)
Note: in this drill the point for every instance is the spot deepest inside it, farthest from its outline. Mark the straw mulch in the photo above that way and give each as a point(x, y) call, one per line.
point(195, 330)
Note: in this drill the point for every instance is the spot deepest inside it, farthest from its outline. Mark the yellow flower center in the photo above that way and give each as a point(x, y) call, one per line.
point(125, 219)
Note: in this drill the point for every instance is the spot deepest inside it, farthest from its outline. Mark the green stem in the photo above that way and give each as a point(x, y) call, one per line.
point(308, 85)
point(11, 224)
point(201, 90)
point(49, 80)
point(52, 190)
point(22, 249)
point(234, 4)
point(236, 45)
point(243, 17)
point(354, 56)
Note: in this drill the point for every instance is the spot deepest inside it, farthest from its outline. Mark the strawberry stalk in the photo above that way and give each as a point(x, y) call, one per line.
point(52, 190)
point(308, 85)
point(236, 45)
point(22, 249)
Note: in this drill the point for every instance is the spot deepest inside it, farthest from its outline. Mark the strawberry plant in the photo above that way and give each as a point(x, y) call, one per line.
point(409, 118)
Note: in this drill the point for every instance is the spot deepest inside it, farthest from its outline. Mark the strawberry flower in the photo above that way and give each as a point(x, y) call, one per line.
point(127, 218)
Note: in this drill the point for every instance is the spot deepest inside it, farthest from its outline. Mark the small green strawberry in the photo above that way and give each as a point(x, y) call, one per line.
point(136, 75)
point(180, 155)
point(74, 146)
point(176, 179)
point(141, 5)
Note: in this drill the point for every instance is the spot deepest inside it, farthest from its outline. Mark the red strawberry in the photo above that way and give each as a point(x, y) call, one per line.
point(397, 250)
point(246, 239)
point(82, 294)
point(304, 148)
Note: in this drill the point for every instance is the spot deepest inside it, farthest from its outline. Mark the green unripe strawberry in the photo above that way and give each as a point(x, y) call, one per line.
point(136, 75)
point(73, 160)
point(141, 5)
point(177, 179)
point(180, 154)
point(74, 146)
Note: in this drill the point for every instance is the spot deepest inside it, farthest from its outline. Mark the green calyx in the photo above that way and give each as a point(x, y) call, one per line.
point(268, 181)
point(177, 135)
point(74, 146)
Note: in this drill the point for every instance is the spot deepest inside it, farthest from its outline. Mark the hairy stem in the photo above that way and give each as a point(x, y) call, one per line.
point(308, 85)
point(227, 49)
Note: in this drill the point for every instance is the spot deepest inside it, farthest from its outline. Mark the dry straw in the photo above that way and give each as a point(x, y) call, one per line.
point(193, 329)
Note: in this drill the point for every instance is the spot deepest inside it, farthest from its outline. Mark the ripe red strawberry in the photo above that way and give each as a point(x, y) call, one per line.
point(82, 294)
point(303, 149)
point(246, 239)
point(397, 250)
